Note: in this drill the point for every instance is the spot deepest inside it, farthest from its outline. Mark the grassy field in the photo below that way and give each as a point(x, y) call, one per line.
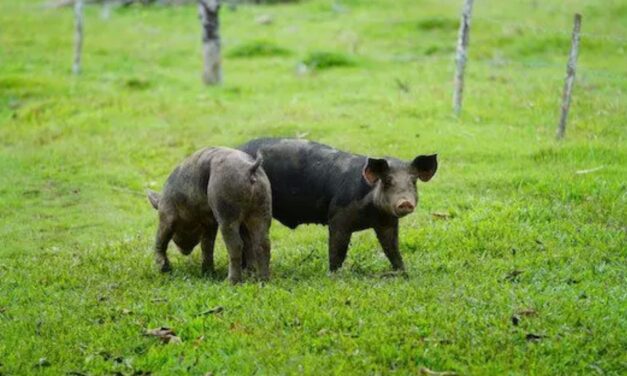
point(524, 274)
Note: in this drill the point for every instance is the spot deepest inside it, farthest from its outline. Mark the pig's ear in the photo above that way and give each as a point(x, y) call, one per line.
point(424, 166)
point(374, 170)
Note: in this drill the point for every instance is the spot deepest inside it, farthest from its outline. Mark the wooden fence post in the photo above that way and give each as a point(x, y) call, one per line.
point(208, 11)
point(570, 76)
point(461, 56)
point(78, 36)
point(106, 10)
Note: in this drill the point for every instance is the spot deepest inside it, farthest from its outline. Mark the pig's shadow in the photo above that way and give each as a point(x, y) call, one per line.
point(297, 269)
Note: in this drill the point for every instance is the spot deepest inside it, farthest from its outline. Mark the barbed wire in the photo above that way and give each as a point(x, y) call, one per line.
point(526, 63)
point(544, 30)
point(582, 70)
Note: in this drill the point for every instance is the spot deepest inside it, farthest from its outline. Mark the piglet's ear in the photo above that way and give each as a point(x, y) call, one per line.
point(424, 166)
point(374, 170)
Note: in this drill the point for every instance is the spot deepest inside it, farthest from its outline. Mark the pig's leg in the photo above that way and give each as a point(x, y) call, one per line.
point(247, 257)
point(264, 273)
point(339, 239)
point(207, 243)
point(388, 237)
point(260, 247)
point(164, 235)
point(234, 244)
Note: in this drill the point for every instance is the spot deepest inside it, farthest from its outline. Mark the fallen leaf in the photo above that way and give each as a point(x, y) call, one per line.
point(210, 311)
point(428, 372)
point(174, 339)
point(515, 319)
point(199, 340)
point(513, 275)
point(166, 335)
point(528, 312)
point(532, 337)
point(441, 215)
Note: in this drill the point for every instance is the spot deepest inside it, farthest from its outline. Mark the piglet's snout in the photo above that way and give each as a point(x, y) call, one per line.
point(404, 207)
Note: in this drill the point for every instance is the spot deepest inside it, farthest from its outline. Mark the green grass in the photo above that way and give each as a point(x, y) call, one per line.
point(77, 282)
point(258, 48)
point(324, 60)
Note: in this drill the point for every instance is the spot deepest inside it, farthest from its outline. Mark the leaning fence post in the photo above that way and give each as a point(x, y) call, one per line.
point(461, 55)
point(208, 12)
point(78, 36)
point(570, 76)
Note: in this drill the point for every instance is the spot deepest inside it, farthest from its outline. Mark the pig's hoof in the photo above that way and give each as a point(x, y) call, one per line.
point(335, 274)
point(235, 280)
point(334, 269)
point(395, 274)
point(402, 273)
point(165, 268)
point(208, 272)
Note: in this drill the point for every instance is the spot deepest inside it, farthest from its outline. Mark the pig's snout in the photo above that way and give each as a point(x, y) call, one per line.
point(404, 207)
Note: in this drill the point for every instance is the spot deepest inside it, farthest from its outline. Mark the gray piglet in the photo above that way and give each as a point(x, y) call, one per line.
point(216, 187)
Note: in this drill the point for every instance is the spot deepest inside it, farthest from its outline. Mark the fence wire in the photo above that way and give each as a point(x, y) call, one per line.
point(543, 30)
point(507, 62)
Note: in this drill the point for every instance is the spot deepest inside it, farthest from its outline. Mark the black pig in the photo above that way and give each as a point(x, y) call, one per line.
point(314, 183)
point(216, 186)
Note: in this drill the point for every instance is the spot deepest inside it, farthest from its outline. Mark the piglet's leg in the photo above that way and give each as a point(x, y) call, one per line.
point(264, 258)
point(207, 243)
point(164, 235)
point(234, 244)
point(260, 246)
point(247, 255)
point(388, 237)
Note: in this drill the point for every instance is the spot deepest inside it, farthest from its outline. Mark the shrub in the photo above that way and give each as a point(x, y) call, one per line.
point(438, 23)
point(326, 60)
point(258, 49)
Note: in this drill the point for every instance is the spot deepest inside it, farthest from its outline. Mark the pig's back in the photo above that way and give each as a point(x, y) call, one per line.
point(307, 177)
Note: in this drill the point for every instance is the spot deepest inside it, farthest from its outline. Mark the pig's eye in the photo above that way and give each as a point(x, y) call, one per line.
point(388, 181)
